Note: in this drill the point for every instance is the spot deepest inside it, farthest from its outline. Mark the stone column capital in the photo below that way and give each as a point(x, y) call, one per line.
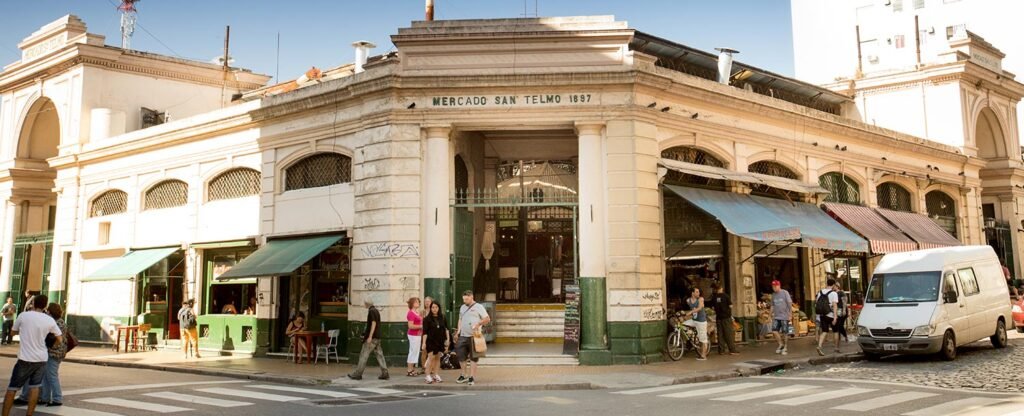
point(438, 131)
point(589, 127)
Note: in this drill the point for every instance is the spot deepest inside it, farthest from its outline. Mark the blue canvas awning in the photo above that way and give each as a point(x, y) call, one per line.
point(817, 228)
point(739, 214)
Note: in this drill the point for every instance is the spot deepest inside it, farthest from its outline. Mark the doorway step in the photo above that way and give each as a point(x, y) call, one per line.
point(530, 323)
point(521, 355)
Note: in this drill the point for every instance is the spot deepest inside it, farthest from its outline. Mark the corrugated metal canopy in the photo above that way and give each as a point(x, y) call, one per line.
point(699, 63)
point(739, 214)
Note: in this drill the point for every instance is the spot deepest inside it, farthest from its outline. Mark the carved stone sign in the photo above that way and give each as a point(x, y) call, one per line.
point(516, 100)
point(42, 48)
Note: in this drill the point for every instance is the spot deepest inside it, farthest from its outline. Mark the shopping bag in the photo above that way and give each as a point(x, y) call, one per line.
point(479, 344)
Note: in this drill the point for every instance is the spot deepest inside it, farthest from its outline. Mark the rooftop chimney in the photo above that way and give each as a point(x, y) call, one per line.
point(362, 50)
point(430, 11)
point(725, 64)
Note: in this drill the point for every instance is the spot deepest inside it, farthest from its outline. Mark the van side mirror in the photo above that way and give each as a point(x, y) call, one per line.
point(949, 297)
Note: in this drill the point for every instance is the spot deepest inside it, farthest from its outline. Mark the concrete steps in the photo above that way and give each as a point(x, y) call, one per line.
point(517, 360)
point(529, 323)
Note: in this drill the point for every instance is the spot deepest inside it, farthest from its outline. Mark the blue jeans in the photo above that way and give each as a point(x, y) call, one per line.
point(50, 390)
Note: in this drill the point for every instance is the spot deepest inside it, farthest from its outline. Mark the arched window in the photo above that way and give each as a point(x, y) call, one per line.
point(109, 203)
point(840, 187)
point(321, 169)
point(235, 183)
point(166, 194)
point(942, 209)
point(695, 156)
point(768, 167)
point(893, 196)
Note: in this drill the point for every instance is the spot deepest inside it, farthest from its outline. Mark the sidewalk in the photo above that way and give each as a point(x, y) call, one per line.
point(753, 360)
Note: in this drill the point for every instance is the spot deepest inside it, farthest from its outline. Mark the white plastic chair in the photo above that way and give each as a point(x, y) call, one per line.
point(330, 348)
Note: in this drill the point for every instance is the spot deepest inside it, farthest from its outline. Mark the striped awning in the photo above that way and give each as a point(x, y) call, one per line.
point(817, 229)
point(922, 229)
point(881, 235)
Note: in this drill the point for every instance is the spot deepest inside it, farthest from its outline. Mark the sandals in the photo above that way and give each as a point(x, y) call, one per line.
point(411, 373)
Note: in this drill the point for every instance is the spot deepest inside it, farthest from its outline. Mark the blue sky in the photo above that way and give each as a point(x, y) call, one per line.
point(319, 33)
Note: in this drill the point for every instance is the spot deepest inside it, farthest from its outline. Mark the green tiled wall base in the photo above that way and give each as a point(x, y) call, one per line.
point(637, 342)
point(87, 328)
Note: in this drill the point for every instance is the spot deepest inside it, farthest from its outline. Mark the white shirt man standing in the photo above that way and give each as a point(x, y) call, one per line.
point(32, 326)
point(826, 306)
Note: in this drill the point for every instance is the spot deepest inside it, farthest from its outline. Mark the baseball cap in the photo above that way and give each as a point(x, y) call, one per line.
point(776, 283)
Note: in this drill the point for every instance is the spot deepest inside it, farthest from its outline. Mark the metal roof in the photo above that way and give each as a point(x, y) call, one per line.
point(702, 64)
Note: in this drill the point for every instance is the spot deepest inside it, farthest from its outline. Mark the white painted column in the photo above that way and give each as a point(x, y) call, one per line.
point(591, 176)
point(437, 241)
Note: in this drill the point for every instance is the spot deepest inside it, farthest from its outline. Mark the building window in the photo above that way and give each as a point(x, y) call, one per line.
point(109, 203)
point(767, 167)
point(893, 196)
point(235, 183)
point(942, 210)
point(899, 41)
point(840, 187)
point(322, 169)
point(918, 4)
point(166, 194)
point(695, 156)
point(897, 5)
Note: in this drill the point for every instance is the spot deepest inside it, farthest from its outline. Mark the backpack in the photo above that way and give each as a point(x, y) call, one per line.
point(821, 305)
point(187, 319)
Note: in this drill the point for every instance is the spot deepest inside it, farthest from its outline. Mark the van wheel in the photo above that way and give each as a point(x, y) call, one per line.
point(948, 351)
point(999, 338)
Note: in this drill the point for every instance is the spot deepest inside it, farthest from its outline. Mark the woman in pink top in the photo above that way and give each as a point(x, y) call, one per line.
point(415, 335)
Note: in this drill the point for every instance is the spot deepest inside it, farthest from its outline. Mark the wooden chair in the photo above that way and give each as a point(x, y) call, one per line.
point(140, 340)
point(330, 348)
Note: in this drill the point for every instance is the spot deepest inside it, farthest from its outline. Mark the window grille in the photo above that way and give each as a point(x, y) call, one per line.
point(166, 194)
point(695, 156)
point(322, 169)
point(109, 203)
point(768, 167)
point(942, 209)
point(893, 196)
point(235, 183)
point(840, 187)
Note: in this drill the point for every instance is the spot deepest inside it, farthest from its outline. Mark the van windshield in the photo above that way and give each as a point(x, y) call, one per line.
point(904, 287)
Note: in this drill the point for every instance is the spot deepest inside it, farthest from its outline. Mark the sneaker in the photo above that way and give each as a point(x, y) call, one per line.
point(383, 376)
point(820, 352)
point(462, 379)
point(470, 381)
point(430, 380)
point(779, 350)
point(702, 359)
point(355, 377)
point(55, 404)
point(18, 401)
point(785, 351)
point(437, 379)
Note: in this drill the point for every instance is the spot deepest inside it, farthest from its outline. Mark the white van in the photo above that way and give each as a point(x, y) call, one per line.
point(932, 301)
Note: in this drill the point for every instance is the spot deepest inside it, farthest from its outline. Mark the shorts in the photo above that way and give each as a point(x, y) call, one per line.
point(825, 324)
point(702, 329)
point(464, 350)
point(25, 371)
point(781, 326)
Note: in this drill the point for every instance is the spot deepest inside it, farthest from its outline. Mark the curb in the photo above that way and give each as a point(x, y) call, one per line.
point(513, 387)
point(768, 369)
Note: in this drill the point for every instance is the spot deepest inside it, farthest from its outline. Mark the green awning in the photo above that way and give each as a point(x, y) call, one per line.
point(238, 281)
point(280, 257)
point(131, 264)
point(223, 244)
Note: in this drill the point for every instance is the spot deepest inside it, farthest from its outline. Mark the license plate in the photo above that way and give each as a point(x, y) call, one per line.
point(890, 347)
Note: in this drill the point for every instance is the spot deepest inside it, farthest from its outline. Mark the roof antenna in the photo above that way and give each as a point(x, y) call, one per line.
point(128, 18)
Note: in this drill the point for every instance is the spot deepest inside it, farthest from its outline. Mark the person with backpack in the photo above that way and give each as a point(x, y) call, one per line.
point(187, 324)
point(826, 306)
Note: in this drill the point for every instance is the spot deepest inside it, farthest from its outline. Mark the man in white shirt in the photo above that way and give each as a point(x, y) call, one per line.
point(826, 306)
point(32, 326)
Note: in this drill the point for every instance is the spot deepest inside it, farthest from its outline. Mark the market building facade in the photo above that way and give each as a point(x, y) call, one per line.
point(577, 174)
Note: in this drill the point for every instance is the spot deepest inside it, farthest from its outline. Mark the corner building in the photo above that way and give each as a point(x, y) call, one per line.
point(577, 174)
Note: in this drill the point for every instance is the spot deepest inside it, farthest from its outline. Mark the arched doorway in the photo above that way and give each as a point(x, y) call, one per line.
point(997, 202)
point(35, 203)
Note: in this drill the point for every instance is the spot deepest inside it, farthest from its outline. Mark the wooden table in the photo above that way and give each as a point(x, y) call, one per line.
point(310, 337)
point(129, 331)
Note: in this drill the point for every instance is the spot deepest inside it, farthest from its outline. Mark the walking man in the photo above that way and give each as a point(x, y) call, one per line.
point(782, 313)
point(472, 317)
point(8, 312)
point(827, 308)
point(723, 321)
point(371, 343)
point(32, 326)
point(187, 324)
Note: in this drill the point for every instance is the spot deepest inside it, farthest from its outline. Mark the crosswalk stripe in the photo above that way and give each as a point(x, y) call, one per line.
point(377, 391)
point(134, 404)
point(955, 407)
point(885, 401)
point(665, 388)
point(713, 390)
point(250, 394)
point(188, 398)
point(70, 411)
point(328, 393)
point(818, 397)
point(1001, 408)
point(778, 391)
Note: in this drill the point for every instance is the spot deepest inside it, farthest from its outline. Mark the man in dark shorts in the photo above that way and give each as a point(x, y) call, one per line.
point(472, 317)
point(33, 327)
point(828, 314)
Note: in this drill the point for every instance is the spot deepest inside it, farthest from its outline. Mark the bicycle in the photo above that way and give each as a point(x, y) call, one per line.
point(682, 337)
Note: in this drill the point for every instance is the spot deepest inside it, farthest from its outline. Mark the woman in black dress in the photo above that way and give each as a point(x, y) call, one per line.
point(435, 341)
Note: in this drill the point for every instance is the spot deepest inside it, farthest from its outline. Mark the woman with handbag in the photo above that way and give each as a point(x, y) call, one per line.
point(435, 342)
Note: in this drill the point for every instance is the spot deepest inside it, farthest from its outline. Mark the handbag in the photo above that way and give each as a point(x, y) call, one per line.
point(479, 343)
point(72, 340)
